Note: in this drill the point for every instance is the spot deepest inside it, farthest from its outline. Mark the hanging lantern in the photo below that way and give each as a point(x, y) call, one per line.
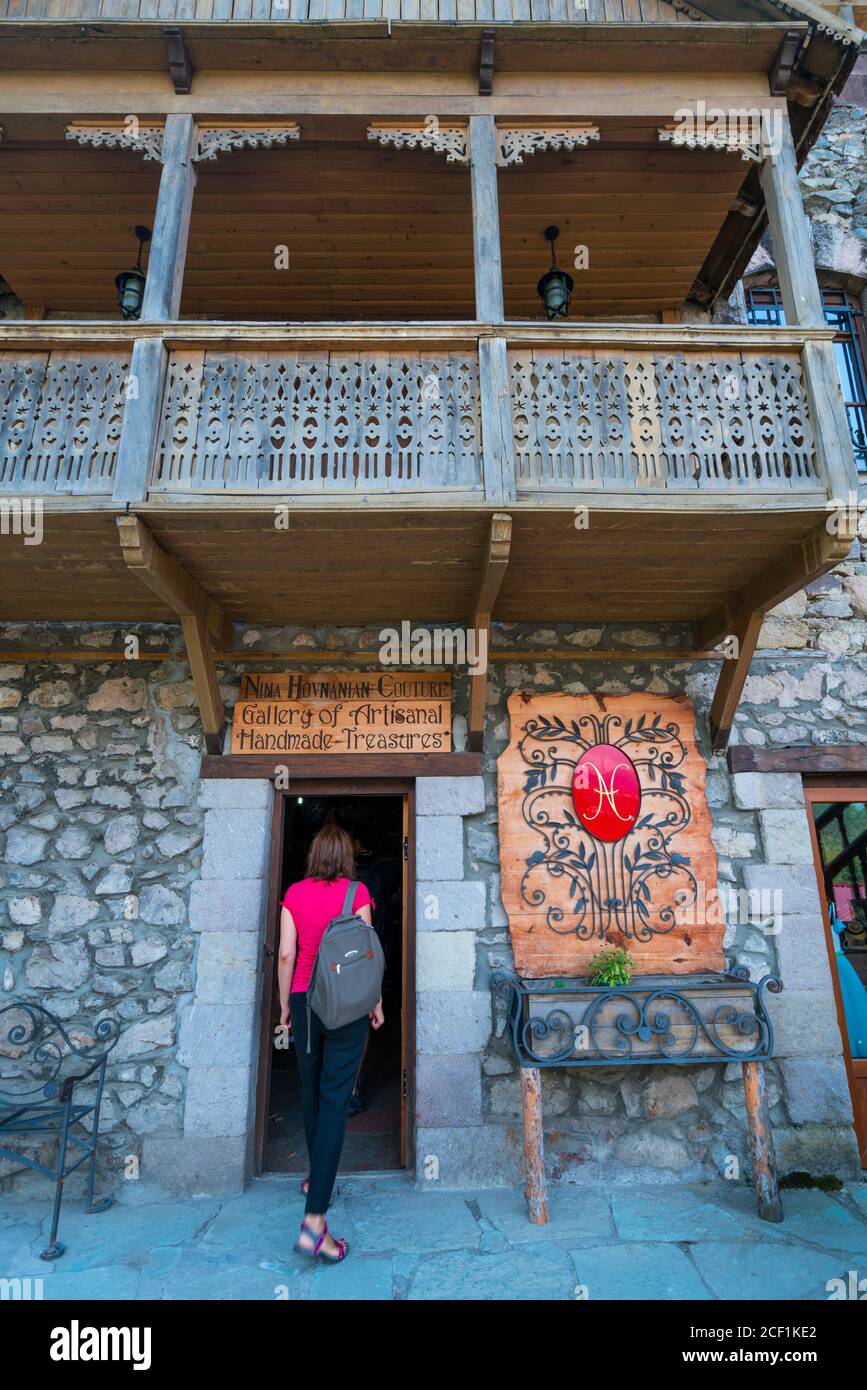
point(130, 284)
point(555, 287)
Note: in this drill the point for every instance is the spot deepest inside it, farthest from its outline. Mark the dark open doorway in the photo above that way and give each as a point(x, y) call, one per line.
point(376, 1132)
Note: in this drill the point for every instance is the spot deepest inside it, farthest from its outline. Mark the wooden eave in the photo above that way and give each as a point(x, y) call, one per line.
point(377, 45)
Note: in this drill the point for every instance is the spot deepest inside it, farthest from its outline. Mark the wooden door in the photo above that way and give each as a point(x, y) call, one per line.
point(856, 1067)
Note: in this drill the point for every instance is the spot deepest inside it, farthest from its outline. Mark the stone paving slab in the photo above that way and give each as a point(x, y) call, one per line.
point(660, 1242)
point(635, 1271)
point(749, 1270)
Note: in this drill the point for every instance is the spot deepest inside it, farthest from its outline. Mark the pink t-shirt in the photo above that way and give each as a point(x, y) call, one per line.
point(312, 903)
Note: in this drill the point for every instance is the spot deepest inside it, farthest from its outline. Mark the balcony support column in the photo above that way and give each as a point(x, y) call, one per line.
point(802, 301)
point(162, 301)
point(790, 234)
point(486, 220)
point(162, 296)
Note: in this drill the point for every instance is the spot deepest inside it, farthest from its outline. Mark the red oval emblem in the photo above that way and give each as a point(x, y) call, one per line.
point(606, 792)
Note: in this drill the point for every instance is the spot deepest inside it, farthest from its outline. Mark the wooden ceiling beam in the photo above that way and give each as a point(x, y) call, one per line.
point(496, 559)
point(201, 619)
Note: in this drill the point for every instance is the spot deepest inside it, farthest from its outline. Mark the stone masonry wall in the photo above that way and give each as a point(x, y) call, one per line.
point(110, 900)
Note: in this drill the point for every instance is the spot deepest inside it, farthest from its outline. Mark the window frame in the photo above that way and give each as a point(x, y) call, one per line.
point(767, 301)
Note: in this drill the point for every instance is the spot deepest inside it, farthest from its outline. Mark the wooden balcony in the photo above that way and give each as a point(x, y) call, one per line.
point(404, 415)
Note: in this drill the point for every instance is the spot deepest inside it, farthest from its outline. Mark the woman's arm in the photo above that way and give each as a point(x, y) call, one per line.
point(286, 960)
point(376, 1015)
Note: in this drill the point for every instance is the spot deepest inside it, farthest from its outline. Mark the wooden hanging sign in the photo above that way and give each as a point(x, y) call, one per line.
point(343, 712)
point(605, 835)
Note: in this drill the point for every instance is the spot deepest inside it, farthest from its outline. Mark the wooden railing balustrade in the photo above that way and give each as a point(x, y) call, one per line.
point(382, 411)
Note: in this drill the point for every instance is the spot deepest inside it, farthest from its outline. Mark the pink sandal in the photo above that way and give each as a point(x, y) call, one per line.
point(317, 1252)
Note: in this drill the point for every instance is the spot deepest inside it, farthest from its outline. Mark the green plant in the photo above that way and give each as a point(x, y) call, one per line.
point(612, 968)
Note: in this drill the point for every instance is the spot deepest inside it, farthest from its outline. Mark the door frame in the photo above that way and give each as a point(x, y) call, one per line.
point(815, 791)
point(330, 786)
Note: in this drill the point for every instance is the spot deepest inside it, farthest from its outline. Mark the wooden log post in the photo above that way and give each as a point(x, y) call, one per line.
point(535, 1189)
point(162, 296)
point(802, 301)
point(487, 259)
point(162, 302)
point(762, 1143)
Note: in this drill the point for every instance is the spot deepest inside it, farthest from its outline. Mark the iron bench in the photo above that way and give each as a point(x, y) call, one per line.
point(39, 1090)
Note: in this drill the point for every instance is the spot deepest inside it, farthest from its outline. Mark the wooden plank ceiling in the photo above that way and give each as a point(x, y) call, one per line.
point(370, 233)
point(356, 567)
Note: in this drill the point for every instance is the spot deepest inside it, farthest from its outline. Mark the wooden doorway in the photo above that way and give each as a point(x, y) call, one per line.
point(838, 827)
point(380, 814)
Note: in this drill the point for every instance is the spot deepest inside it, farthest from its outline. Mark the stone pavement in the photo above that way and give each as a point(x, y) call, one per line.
point(697, 1242)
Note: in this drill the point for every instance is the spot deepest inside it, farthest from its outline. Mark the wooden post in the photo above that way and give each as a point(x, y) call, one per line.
point(762, 1143)
point(141, 420)
point(162, 296)
point(494, 565)
point(790, 234)
point(498, 448)
point(534, 1146)
point(802, 301)
point(486, 220)
point(162, 302)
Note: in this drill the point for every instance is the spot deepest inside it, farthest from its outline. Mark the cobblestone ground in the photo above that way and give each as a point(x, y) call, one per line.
point(629, 1242)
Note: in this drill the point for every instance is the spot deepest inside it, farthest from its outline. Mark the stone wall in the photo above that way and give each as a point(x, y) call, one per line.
point(111, 901)
point(662, 1123)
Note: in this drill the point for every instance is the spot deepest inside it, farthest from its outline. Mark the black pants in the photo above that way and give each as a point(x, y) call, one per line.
point(328, 1074)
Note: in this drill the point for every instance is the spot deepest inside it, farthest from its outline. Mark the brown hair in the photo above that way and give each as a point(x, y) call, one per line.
point(330, 855)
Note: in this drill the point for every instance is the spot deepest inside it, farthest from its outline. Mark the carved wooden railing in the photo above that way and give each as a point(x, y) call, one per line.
point(456, 412)
point(319, 422)
point(597, 418)
point(60, 420)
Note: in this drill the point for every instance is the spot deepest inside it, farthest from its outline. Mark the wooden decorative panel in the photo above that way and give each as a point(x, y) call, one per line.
point(319, 423)
point(679, 420)
point(60, 420)
point(571, 892)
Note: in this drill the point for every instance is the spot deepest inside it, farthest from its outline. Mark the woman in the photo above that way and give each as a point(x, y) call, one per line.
point(329, 1068)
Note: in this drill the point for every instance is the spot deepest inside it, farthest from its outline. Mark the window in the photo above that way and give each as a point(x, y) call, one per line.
point(843, 313)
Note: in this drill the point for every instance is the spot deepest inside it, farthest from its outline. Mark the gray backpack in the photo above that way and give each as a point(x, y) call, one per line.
point(346, 981)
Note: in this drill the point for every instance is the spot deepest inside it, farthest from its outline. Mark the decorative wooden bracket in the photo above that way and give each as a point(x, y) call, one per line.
point(180, 67)
point(448, 138)
point(212, 139)
point(734, 138)
point(742, 618)
point(486, 62)
point(783, 65)
point(201, 618)
point(516, 142)
point(496, 559)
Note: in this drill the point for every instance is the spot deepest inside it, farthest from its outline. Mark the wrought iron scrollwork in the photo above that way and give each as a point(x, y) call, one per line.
point(35, 1045)
point(634, 885)
point(655, 1020)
